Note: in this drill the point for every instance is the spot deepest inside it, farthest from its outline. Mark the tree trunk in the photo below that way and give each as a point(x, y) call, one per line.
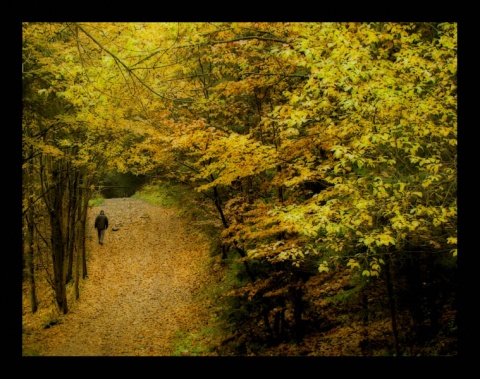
point(31, 262)
point(218, 205)
point(58, 258)
point(83, 250)
point(78, 259)
point(279, 325)
point(296, 294)
point(54, 201)
point(392, 305)
point(415, 294)
point(30, 240)
point(77, 236)
point(85, 194)
point(245, 263)
point(71, 223)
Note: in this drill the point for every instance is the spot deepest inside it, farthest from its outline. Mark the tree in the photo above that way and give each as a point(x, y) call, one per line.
point(321, 146)
point(64, 147)
point(382, 101)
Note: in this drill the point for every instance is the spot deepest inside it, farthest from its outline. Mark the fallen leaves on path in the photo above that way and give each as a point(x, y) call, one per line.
point(140, 289)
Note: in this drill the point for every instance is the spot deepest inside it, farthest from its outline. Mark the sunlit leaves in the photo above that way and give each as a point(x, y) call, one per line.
point(368, 111)
point(323, 267)
point(352, 263)
point(232, 158)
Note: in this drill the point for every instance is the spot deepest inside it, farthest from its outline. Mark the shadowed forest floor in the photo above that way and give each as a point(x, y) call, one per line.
point(140, 292)
point(143, 297)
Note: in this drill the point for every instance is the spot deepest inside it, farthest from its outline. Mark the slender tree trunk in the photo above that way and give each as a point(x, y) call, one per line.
point(70, 250)
point(58, 258)
point(296, 295)
point(392, 305)
point(279, 324)
point(78, 236)
point(245, 263)
point(268, 328)
point(83, 249)
point(415, 294)
point(433, 296)
point(30, 243)
point(218, 205)
point(78, 259)
point(85, 197)
point(54, 202)
point(364, 343)
point(31, 262)
point(71, 223)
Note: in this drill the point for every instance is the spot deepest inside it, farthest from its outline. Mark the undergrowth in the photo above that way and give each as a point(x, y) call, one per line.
point(164, 194)
point(96, 201)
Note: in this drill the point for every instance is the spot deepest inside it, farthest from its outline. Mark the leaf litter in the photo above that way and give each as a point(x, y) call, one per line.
point(140, 291)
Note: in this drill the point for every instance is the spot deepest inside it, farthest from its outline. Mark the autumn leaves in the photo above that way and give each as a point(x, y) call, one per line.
point(246, 113)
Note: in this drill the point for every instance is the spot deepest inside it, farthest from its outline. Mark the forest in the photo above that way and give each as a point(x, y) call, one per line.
point(321, 155)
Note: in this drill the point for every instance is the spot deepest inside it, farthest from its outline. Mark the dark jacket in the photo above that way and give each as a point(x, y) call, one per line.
point(101, 222)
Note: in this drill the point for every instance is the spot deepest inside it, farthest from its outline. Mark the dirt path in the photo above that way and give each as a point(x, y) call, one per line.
point(140, 289)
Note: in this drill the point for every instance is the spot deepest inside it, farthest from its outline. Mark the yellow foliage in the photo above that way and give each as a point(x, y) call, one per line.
point(353, 263)
point(323, 267)
point(370, 111)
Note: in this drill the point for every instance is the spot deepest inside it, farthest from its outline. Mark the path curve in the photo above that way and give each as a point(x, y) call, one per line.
point(140, 289)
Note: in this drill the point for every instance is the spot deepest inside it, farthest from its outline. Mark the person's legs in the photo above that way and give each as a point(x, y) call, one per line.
point(102, 235)
point(99, 235)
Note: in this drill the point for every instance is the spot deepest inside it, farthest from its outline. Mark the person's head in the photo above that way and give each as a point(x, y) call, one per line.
point(102, 212)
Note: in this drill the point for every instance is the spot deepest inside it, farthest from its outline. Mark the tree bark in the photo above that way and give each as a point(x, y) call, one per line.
point(296, 295)
point(392, 305)
point(30, 261)
point(85, 197)
point(54, 201)
point(218, 205)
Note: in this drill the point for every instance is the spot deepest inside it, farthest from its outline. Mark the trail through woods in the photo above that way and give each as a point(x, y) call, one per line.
point(143, 297)
point(140, 291)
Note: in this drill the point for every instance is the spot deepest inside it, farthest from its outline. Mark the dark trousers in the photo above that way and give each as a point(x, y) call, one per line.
point(101, 235)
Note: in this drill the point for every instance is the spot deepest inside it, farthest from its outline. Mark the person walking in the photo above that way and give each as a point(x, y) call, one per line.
point(101, 224)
